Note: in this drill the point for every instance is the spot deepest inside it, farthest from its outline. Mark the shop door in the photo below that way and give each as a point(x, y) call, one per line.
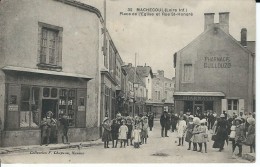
point(49, 105)
point(198, 109)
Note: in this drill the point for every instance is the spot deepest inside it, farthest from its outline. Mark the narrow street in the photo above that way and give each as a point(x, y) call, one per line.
point(157, 150)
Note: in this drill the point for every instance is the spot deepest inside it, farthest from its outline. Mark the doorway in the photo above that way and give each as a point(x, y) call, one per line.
point(50, 105)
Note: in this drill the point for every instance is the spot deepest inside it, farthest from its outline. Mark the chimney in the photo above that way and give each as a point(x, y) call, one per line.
point(244, 37)
point(224, 21)
point(209, 20)
point(161, 73)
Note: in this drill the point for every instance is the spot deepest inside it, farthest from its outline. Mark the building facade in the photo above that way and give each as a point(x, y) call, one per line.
point(215, 72)
point(45, 66)
point(162, 94)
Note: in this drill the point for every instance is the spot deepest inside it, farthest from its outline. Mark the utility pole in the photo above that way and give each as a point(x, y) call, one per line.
point(134, 85)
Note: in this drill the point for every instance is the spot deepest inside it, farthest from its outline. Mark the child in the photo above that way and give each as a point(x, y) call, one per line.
point(130, 129)
point(203, 135)
point(136, 135)
point(239, 137)
point(195, 133)
point(144, 129)
point(181, 127)
point(114, 132)
point(123, 130)
point(107, 132)
point(250, 140)
point(189, 130)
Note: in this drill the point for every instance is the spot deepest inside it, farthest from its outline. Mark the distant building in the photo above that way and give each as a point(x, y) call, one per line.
point(162, 94)
point(215, 72)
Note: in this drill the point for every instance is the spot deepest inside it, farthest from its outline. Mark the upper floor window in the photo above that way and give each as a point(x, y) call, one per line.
point(50, 45)
point(232, 104)
point(187, 73)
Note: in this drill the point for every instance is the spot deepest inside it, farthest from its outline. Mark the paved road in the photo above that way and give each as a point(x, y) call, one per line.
point(157, 150)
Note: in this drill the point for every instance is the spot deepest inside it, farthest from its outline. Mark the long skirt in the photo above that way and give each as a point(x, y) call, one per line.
point(106, 136)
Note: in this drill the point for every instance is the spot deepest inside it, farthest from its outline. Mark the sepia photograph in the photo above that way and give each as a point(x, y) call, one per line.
point(119, 81)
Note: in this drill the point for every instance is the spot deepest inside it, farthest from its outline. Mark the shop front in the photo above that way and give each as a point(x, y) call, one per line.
point(196, 103)
point(31, 94)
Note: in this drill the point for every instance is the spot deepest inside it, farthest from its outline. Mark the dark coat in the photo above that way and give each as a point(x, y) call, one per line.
point(150, 120)
point(114, 131)
point(222, 133)
point(165, 121)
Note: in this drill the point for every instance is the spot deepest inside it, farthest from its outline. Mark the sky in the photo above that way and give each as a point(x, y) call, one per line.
point(156, 38)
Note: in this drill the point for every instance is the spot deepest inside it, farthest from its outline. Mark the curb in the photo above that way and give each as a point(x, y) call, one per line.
point(50, 147)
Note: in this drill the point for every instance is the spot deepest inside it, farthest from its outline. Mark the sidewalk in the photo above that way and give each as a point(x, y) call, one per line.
point(18, 149)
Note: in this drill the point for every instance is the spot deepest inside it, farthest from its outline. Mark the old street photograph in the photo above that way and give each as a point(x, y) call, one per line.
point(119, 81)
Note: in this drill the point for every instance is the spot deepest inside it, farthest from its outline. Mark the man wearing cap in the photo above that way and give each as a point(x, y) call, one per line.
point(164, 123)
point(221, 133)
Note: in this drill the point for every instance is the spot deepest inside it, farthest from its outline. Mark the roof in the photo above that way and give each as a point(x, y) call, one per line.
point(250, 46)
point(198, 94)
point(131, 75)
point(216, 25)
point(82, 6)
point(144, 71)
point(47, 72)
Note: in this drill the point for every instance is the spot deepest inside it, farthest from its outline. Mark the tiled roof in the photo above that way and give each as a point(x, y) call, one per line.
point(144, 71)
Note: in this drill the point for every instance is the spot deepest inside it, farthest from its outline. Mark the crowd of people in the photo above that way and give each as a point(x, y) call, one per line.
point(127, 130)
point(49, 129)
point(239, 129)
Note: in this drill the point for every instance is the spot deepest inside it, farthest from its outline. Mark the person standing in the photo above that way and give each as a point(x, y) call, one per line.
point(123, 130)
point(114, 132)
point(144, 130)
point(136, 135)
point(164, 124)
point(151, 120)
point(203, 135)
point(221, 133)
point(195, 133)
point(250, 139)
point(106, 137)
point(189, 130)
point(239, 136)
point(129, 125)
point(65, 127)
point(181, 127)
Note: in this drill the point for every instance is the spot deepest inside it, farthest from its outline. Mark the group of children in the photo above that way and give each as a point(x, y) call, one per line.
point(125, 130)
point(196, 132)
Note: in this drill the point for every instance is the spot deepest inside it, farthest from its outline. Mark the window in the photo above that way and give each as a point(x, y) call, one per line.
point(50, 44)
point(29, 113)
point(233, 105)
point(159, 95)
point(165, 94)
point(187, 73)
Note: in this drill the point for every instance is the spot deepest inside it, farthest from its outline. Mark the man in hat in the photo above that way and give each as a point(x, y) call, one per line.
point(65, 127)
point(164, 121)
point(150, 120)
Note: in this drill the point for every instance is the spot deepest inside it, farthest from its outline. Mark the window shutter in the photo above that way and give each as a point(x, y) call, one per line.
point(13, 107)
point(223, 105)
point(59, 46)
point(241, 105)
point(81, 108)
point(39, 44)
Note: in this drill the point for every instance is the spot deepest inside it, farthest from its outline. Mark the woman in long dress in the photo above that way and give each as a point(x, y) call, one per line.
point(221, 133)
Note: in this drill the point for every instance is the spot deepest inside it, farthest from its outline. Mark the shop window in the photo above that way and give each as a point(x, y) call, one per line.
point(187, 73)
point(29, 113)
point(67, 104)
point(50, 43)
point(54, 92)
point(46, 92)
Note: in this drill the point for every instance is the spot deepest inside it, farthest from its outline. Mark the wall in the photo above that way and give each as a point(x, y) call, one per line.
point(80, 45)
point(232, 81)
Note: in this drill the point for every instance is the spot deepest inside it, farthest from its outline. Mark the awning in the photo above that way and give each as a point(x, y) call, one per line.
point(38, 71)
point(198, 94)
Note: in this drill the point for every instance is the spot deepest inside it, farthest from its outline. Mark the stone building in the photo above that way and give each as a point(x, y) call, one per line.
point(215, 72)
